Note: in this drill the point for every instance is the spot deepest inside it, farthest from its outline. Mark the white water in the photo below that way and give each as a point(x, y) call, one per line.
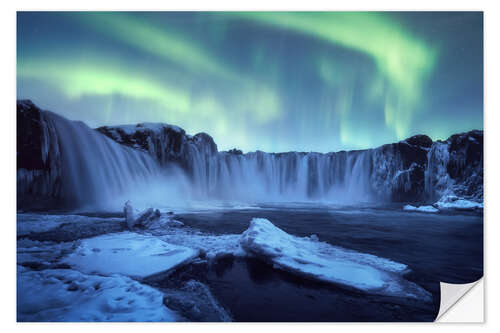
point(96, 172)
point(264, 177)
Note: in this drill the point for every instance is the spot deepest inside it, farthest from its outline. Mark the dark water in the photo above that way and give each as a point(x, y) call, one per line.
point(436, 247)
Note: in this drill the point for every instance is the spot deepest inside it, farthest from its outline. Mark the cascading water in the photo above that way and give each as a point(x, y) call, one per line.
point(96, 172)
point(160, 165)
point(437, 179)
point(95, 169)
point(264, 177)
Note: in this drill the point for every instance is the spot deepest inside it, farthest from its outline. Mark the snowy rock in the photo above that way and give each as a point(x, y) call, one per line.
point(68, 295)
point(157, 222)
point(324, 262)
point(147, 217)
point(465, 165)
point(456, 166)
point(424, 209)
point(129, 254)
point(167, 143)
point(235, 151)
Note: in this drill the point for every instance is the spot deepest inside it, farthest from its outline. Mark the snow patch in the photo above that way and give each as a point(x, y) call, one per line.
point(154, 127)
point(68, 295)
point(128, 253)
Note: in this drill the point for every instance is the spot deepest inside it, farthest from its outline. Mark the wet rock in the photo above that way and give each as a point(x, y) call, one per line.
point(129, 214)
point(235, 151)
point(195, 302)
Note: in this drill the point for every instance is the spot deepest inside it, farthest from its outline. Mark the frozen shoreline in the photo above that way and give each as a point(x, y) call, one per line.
point(146, 252)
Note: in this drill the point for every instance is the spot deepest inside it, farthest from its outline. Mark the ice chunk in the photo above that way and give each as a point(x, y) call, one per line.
point(327, 263)
point(424, 209)
point(68, 295)
point(213, 246)
point(128, 253)
point(453, 202)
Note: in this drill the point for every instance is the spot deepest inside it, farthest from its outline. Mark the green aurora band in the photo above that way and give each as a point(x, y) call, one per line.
point(170, 70)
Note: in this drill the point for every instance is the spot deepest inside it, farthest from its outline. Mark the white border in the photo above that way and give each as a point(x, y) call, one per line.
point(8, 139)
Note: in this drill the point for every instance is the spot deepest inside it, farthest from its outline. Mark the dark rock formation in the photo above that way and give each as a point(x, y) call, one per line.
point(168, 144)
point(465, 165)
point(401, 167)
point(235, 151)
point(38, 159)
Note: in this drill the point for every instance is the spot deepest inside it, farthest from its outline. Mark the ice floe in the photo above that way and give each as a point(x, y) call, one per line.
point(321, 261)
point(68, 295)
point(424, 209)
point(128, 253)
point(454, 202)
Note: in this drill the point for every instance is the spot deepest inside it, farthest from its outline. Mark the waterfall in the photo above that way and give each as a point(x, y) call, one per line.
point(160, 165)
point(95, 169)
point(437, 179)
point(90, 171)
point(271, 177)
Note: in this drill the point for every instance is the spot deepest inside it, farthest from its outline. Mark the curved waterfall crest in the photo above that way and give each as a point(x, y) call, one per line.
point(79, 166)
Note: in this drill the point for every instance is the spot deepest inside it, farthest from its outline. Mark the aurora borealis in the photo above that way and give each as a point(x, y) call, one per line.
point(273, 81)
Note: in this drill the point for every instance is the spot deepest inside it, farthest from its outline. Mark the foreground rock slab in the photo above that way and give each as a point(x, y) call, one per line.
point(129, 254)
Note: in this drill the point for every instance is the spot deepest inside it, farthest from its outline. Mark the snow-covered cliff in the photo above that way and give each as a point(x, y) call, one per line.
point(58, 158)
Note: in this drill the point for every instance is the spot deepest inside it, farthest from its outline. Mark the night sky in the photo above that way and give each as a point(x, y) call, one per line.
point(260, 81)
